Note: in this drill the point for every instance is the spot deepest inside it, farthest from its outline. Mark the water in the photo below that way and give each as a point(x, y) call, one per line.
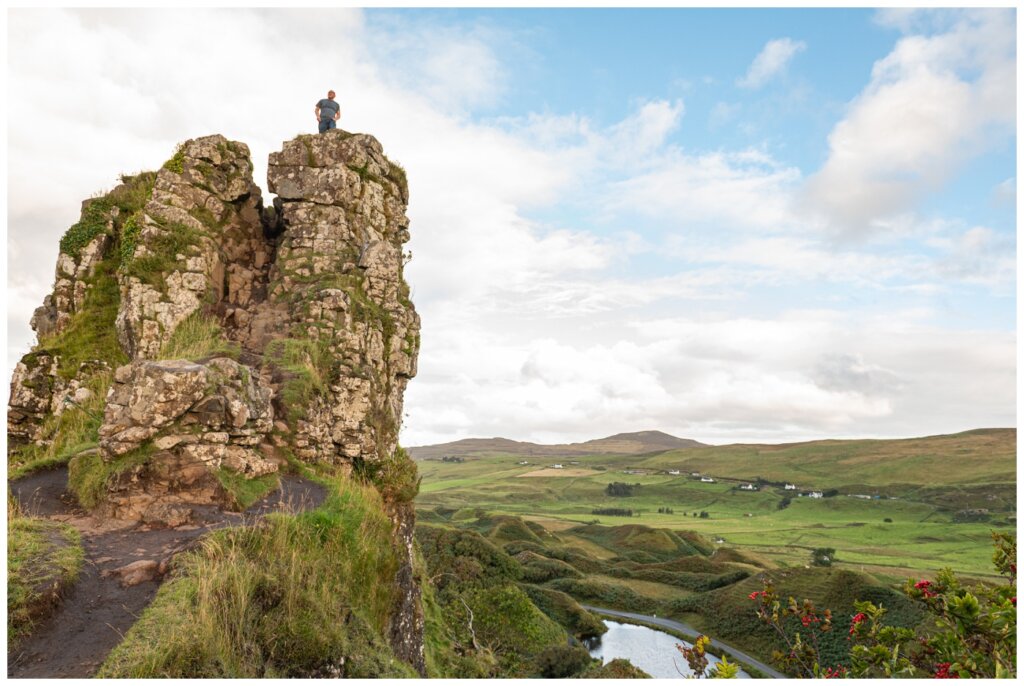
point(652, 651)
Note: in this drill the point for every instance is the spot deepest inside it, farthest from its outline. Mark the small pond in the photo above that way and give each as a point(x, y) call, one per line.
point(652, 651)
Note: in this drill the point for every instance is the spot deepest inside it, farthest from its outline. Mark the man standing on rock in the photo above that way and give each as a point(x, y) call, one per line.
point(327, 112)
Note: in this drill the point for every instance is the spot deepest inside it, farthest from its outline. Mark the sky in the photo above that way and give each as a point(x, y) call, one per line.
point(731, 225)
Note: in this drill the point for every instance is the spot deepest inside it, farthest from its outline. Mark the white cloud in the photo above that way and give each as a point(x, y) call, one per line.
point(804, 374)
point(553, 255)
point(770, 62)
point(738, 189)
point(933, 102)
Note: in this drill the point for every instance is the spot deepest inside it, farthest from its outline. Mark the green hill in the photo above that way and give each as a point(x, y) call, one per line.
point(981, 456)
point(635, 443)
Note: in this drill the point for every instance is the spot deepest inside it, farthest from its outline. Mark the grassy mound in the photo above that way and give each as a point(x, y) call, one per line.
point(303, 595)
point(638, 542)
point(538, 569)
point(728, 614)
point(605, 594)
point(566, 611)
point(43, 561)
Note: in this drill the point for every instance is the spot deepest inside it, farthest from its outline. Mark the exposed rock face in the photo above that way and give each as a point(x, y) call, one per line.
point(310, 294)
point(339, 273)
point(32, 388)
point(199, 417)
point(200, 242)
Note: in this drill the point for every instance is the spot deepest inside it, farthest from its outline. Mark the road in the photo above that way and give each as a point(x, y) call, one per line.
point(686, 628)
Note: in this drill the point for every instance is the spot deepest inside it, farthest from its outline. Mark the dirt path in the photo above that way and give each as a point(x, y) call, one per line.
point(94, 616)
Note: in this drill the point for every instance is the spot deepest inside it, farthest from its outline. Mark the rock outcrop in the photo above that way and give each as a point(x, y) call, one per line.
point(219, 339)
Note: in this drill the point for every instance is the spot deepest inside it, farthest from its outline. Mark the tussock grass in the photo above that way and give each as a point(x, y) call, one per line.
point(312, 366)
point(198, 335)
point(290, 597)
point(43, 559)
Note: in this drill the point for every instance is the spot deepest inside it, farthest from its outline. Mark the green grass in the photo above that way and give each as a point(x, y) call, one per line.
point(43, 560)
point(244, 492)
point(198, 336)
point(91, 333)
point(288, 598)
point(89, 475)
point(921, 538)
point(163, 247)
point(980, 456)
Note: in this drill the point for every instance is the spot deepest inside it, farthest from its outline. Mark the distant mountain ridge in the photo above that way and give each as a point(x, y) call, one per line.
point(635, 443)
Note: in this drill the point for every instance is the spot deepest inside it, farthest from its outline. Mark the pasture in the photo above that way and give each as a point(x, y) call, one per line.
point(912, 534)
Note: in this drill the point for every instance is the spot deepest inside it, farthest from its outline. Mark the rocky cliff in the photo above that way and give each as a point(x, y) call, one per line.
point(197, 342)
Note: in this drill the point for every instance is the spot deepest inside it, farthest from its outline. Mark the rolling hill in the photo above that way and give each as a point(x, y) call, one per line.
point(636, 443)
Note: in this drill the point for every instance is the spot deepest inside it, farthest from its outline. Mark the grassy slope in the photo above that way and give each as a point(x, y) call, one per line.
point(627, 444)
point(982, 456)
point(288, 598)
point(920, 538)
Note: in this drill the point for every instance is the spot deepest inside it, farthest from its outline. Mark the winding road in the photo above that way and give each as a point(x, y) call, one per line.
point(686, 628)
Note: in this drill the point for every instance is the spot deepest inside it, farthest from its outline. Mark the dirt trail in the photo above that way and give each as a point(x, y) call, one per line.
point(93, 617)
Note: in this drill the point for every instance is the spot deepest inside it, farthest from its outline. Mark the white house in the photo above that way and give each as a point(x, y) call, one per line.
point(673, 472)
point(790, 487)
point(816, 494)
point(522, 462)
point(707, 480)
point(556, 466)
point(748, 487)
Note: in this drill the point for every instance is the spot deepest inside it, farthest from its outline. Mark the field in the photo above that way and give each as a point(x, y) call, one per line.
point(909, 530)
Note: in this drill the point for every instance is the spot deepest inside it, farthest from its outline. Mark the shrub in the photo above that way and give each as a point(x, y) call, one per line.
point(396, 477)
point(823, 557)
point(613, 512)
point(177, 162)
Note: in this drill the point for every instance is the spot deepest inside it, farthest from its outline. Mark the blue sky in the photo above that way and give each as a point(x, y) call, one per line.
point(731, 225)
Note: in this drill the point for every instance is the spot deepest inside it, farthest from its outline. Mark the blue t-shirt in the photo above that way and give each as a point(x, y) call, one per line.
point(328, 108)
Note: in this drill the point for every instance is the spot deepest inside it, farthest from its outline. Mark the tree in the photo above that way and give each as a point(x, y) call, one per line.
point(823, 557)
point(618, 489)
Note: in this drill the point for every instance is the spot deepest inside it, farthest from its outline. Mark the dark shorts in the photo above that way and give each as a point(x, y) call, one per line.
point(327, 124)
